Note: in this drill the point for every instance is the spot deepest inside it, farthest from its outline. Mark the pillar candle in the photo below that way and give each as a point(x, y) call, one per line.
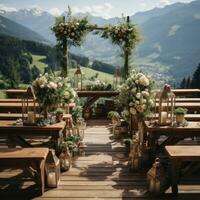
point(163, 117)
point(31, 118)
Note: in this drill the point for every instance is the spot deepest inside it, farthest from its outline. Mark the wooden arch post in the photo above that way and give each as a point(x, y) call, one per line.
point(126, 55)
point(65, 56)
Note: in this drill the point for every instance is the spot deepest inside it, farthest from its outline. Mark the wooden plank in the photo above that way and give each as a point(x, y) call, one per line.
point(183, 152)
point(23, 153)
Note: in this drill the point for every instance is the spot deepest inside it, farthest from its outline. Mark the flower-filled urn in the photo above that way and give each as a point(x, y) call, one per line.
point(78, 79)
point(29, 107)
point(165, 104)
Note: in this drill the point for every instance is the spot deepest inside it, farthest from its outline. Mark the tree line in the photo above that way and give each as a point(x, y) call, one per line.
point(191, 82)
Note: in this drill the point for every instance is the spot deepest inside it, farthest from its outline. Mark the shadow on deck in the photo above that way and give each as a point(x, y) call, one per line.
point(102, 173)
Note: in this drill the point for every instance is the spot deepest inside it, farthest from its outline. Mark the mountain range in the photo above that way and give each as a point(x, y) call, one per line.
point(170, 46)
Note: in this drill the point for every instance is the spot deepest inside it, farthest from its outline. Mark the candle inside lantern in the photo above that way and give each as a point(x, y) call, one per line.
point(163, 117)
point(30, 117)
point(51, 179)
point(79, 85)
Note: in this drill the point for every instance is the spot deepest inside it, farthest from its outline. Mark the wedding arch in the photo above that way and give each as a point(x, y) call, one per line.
point(71, 30)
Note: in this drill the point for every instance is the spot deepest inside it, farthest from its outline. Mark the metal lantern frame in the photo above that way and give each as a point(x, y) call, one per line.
point(165, 99)
point(116, 78)
point(29, 104)
point(52, 167)
point(78, 79)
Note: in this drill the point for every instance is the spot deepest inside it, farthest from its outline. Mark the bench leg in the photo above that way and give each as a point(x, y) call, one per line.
point(175, 165)
point(40, 176)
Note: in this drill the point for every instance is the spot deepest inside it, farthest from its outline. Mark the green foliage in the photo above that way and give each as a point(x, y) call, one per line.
point(59, 111)
point(71, 143)
point(73, 29)
point(77, 113)
point(112, 114)
point(180, 111)
point(35, 72)
point(196, 78)
point(125, 35)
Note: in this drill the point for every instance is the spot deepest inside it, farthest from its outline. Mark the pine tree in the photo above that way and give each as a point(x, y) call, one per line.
point(183, 83)
point(188, 82)
point(35, 72)
point(196, 78)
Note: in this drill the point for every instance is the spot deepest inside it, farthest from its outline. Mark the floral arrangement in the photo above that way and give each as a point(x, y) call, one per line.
point(136, 94)
point(98, 85)
point(125, 35)
point(52, 90)
point(73, 29)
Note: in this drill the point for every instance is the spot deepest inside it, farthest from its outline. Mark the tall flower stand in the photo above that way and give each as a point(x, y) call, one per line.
point(139, 155)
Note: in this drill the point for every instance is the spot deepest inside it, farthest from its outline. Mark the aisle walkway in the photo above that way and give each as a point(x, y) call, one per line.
point(102, 173)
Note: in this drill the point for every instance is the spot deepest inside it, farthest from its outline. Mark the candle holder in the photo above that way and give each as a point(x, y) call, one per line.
point(29, 107)
point(164, 106)
point(78, 79)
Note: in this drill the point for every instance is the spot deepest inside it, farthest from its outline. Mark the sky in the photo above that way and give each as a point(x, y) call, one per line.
point(103, 8)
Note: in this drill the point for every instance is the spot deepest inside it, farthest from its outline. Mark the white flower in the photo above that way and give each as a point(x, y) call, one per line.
point(42, 86)
point(138, 95)
point(143, 80)
point(145, 93)
point(52, 85)
point(137, 81)
point(131, 104)
point(137, 102)
point(60, 84)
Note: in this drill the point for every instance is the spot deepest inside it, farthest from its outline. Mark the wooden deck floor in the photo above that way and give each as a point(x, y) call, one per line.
point(101, 174)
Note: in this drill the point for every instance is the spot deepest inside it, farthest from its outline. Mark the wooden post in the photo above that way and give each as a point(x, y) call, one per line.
point(65, 56)
point(126, 56)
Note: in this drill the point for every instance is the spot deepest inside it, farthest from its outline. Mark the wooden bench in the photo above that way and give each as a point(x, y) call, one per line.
point(177, 155)
point(24, 158)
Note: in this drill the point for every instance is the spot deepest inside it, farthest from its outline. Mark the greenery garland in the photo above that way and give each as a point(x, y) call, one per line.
point(74, 30)
point(125, 35)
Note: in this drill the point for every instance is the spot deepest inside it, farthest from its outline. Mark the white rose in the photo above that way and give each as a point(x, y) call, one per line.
point(145, 93)
point(42, 86)
point(143, 80)
point(137, 102)
point(136, 81)
point(138, 95)
point(60, 84)
point(52, 85)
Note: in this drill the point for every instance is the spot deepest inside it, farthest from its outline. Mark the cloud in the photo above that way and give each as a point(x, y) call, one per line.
point(103, 10)
point(163, 3)
point(55, 12)
point(173, 30)
point(6, 8)
point(143, 4)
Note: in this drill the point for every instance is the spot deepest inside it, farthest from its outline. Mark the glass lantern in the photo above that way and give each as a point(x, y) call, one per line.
point(165, 104)
point(65, 159)
point(78, 79)
point(52, 167)
point(29, 107)
point(116, 78)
